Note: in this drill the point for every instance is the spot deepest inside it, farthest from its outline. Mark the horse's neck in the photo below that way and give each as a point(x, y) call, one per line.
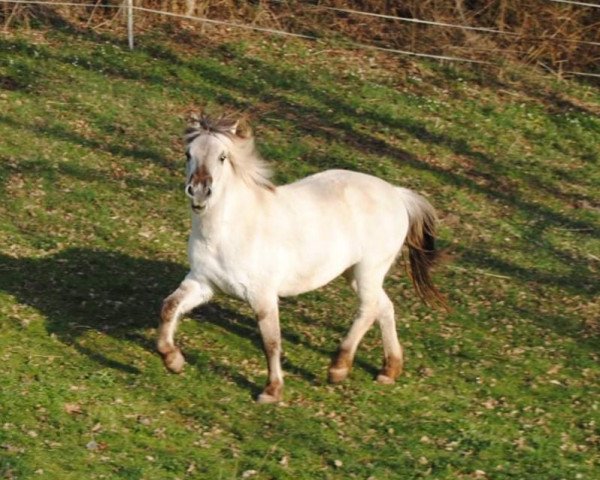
point(229, 214)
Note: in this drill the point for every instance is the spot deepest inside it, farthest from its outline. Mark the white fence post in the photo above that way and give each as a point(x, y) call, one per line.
point(130, 23)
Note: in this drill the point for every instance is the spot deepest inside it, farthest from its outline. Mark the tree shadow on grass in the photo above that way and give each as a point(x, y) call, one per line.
point(221, 81)
point(58, 132)
point(216, 75)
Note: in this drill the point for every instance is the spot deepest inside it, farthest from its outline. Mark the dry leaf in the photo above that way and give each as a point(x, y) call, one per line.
point(554, 369)
point(73, 408)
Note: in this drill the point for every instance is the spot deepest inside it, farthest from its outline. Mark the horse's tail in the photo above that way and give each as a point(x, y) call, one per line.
point(420, 240)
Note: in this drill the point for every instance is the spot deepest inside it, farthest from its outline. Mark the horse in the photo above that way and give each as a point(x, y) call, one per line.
point(258, 242)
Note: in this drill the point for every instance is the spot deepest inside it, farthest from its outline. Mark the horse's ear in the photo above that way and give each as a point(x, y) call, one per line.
point(194, 120)
point(241, 129)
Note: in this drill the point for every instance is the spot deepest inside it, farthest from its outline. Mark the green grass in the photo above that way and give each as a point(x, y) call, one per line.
point(91, 169)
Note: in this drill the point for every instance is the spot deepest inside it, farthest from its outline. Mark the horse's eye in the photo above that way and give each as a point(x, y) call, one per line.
point(223, 157)
point(188, 157)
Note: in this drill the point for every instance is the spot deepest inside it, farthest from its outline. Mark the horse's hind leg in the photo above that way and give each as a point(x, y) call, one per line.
point(368, 285)
point(342, 362)
point(392, 361)
point(190, 294)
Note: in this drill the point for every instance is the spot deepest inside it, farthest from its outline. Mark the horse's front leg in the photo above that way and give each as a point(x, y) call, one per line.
point(190, 294)
point(268, 324)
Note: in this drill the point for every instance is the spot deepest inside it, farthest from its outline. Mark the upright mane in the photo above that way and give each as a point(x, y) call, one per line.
point(245, 159)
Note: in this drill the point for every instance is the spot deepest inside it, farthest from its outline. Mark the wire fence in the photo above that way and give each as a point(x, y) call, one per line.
point(452, 25)
point(129, 8)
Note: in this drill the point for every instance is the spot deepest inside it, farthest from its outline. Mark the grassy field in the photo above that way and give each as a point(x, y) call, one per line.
point(93, 228)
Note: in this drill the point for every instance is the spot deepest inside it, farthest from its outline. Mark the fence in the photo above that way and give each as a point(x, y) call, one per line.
point(129, 7)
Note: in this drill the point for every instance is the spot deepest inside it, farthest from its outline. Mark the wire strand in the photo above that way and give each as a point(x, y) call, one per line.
point(584, 74)
point(582, 4)
point(416, 20)
point(416, 54)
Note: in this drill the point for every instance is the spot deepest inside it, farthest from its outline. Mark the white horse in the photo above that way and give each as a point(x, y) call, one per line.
point(258, 242)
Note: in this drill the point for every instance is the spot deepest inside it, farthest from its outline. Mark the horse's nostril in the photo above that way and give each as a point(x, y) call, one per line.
point(189, 190)
point(208, 191)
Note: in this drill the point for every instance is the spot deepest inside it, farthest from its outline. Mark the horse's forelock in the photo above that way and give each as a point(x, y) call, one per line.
point(228, 125)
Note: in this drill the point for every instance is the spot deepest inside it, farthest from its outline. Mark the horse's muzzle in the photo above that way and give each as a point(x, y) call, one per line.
point(199, 194)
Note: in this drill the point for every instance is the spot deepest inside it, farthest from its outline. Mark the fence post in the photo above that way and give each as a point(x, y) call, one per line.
point(130, 23)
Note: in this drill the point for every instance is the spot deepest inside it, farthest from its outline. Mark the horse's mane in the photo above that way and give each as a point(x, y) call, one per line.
point(245, 159)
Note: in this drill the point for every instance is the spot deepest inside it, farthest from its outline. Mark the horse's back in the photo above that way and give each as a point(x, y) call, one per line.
point(335, 181)
point(338, 219)
point(363, 199)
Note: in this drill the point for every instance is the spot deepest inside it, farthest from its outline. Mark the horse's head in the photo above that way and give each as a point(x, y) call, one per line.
point(216, 151)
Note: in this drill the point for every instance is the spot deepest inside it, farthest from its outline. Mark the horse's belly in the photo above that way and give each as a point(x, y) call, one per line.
point(311, 273)
point(291, 289)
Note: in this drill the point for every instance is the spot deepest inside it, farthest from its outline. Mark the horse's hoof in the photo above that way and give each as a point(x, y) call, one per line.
point(265, 398)
point(174, 361)
point(385, 380)
point(272, 393)
point(337, 375)
point(392, 368)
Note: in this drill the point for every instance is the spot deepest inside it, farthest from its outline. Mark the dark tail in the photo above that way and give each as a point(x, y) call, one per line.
point(422, 254)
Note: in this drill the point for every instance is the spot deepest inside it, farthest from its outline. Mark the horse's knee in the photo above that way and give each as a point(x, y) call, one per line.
point(169, 308)
point(188, 295)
